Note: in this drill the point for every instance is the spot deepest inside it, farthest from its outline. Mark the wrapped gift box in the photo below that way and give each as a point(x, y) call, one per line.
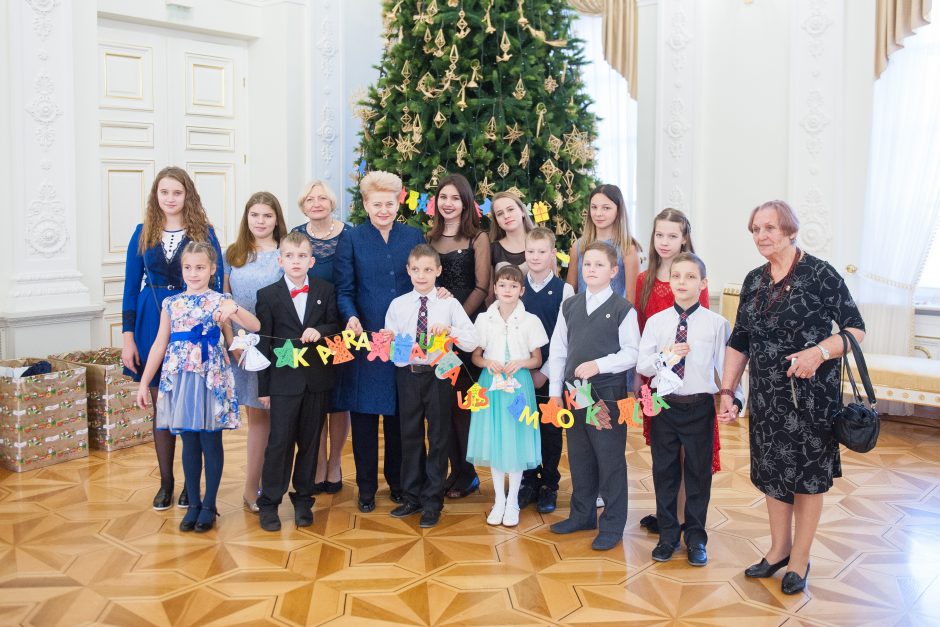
point(114, 420)
point(43, 418)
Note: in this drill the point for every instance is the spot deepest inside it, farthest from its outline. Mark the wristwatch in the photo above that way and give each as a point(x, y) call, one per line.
point(822, 349)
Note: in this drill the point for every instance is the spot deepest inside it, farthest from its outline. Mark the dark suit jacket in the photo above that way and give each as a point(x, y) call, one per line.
point(275, 311)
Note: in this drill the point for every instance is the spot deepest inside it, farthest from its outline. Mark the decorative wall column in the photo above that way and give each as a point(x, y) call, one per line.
point(677, 77)
point(327, 98)
point(46, 288)
point(816, 120)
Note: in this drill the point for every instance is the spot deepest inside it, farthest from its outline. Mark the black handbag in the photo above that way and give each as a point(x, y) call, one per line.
point(855, 425)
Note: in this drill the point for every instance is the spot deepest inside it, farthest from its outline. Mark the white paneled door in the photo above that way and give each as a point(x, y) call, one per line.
point(165, 98)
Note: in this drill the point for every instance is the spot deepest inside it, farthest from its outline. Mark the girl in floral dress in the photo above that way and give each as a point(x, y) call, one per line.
point(196, 397)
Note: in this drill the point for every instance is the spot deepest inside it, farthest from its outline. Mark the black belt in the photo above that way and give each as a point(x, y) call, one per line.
point(420, 368)
point(689, 399)
point(167, 287)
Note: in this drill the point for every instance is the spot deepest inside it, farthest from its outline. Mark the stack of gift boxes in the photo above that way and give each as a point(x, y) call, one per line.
point(43, 418)
point(114, 420)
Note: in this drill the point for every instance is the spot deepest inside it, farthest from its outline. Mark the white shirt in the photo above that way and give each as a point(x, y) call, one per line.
point(707, 334)
point(402, 318)
point(566, 292)
point(300, 301)
point(522, 332)
point(628, 336)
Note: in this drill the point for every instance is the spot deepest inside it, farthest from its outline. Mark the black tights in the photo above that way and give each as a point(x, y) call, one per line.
point(164, 443)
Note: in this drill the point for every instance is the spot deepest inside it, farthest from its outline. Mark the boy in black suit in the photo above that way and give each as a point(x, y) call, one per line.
point(294, 307)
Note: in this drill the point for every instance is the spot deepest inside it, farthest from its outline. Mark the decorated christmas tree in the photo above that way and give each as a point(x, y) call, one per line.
point(487, 88)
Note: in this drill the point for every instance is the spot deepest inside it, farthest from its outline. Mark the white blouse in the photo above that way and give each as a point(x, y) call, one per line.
point(522, 333)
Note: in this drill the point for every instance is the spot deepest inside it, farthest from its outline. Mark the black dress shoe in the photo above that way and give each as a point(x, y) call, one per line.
point(183, 501)
point(318, 488)
point(206, 519)
point(189, 520)
point(765, 569)
point(366, 505)
point(569, 526)
point(697, 555)
point(332, 487)
point(429, 519)
point(793, 583)
point(405, 509)
point(269, 519)
point(396, 496)
point(663, 551)
point(303, 515)
point(606, 541)
point(528, 493)
point(548, 499)
point(651, 524)
point(163, 499)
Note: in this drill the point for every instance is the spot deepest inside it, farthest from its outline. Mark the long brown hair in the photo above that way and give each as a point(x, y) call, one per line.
point(668, 215)
point(622, 239)
point(242, 251)
point(469, 220)
point(195, 220)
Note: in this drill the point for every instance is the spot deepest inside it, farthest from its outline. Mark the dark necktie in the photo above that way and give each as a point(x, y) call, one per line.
point(422, 317)
point(682, 335)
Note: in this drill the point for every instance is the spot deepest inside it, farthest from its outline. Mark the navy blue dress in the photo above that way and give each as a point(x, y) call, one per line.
point(324, 251)
point(369, 273)
point(148, 279)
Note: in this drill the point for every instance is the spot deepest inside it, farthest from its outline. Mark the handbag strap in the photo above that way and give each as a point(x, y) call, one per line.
point(849, 340)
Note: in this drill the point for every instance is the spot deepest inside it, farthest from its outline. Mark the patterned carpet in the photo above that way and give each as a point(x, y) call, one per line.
point(80, 544)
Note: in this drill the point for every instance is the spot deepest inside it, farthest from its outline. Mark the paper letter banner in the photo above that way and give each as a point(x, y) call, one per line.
point(565, 419)
point(401, 348)
point(550, 412)
point(341, 354)
point(629, 410)
point(475, 400)
point(381, 346)
point(285, 355)
point(601, 416)
point(517, 405)
point(529, 418)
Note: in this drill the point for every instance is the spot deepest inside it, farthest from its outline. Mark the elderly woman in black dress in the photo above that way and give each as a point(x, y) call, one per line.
point(784, 329)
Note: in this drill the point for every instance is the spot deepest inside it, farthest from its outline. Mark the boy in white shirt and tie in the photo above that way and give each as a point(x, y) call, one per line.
point(687, 341)
point(421, 394)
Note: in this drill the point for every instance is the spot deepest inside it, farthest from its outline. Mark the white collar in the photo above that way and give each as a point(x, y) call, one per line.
point(516, 313)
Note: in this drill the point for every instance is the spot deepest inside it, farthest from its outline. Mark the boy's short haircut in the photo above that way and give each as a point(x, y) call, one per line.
point(425, 251)
point(296, 238)
point(541, 233)
point(690, 258)
point(605, 248)
point(510, 273)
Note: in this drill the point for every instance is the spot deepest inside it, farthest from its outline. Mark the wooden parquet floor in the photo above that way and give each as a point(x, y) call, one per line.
point(79, 544)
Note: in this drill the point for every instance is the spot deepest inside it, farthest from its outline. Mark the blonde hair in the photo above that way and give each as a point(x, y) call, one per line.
point(379, 181)
point(242, 251)
point(296, 238)
point(327, 191)
point(201, 248)
point(542, 233)
point(496, 231)
point(622, 239)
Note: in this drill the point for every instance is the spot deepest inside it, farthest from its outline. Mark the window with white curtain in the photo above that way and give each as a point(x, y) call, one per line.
point(616, 132)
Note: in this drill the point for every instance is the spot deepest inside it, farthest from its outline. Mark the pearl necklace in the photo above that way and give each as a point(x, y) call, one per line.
point(328, 233)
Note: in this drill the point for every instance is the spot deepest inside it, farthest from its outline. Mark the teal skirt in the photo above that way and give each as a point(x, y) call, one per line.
point(497, 438)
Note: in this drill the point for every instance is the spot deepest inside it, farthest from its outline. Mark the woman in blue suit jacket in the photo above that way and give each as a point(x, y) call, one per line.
point(174, 217)
point(371, 271)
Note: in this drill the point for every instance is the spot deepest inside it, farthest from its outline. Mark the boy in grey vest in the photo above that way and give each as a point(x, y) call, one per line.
point(596, 341)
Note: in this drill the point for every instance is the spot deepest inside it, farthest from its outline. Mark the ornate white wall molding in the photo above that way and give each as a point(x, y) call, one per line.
point(327, 95)
point(44, 214)
point(676, 83)
point(816, 87)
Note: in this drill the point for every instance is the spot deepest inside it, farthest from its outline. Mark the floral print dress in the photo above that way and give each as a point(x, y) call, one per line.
point(197, 387)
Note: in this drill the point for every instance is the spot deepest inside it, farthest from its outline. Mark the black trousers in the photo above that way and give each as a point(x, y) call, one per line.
point(547, 473)
point(462, 472)
point(689, 426)
point(598, 463)
point(421, 395)
point(296, 421)
point(365, 441)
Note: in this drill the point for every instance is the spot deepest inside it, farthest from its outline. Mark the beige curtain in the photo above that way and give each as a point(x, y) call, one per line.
point(896, 20)
point(620, 34)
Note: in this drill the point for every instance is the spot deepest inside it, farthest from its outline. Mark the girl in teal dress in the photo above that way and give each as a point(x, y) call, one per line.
point(196, 397)
point(510, 345)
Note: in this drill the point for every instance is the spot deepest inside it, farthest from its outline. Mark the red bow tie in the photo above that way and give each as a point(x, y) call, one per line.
point(299, 290)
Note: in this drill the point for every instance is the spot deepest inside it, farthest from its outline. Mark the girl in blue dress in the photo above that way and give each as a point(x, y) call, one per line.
point(173, 218)
point(607, 221)
point(197, 389)
point(510, 345)
point(318, 202)
point(251, 264)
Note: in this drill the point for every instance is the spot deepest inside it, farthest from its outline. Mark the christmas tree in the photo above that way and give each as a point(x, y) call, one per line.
point(487, 88)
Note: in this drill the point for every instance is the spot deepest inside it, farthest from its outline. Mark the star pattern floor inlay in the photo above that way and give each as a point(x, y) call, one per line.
point(79, 544)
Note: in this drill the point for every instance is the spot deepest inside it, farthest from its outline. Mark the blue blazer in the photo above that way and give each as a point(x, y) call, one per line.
point(369, 274)
point(148, 279)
